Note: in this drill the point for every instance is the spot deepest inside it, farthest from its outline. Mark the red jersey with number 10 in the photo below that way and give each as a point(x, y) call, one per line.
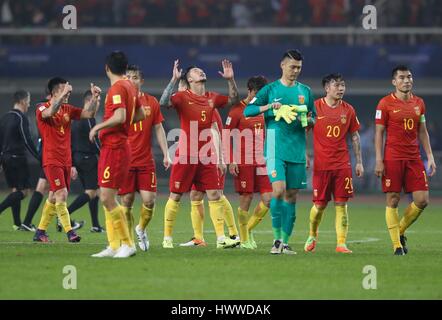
point(140, 133)
point(402, 120)
point(330, 135)
point(122, 94)
point(55, 133)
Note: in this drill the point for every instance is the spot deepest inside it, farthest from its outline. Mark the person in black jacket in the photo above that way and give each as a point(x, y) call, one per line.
point(85, 161)
point(15, 139)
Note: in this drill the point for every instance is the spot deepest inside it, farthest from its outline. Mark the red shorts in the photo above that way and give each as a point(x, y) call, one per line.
point(58, 177)
point(113, 166)
point(140, 178)
point(407, 174)
point(203, 176)
point(337, 182)
point(252, 179)
point(222, 181)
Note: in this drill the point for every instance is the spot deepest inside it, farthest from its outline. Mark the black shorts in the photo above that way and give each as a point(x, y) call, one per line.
point(17, 172)
point(87, 167)
point(42, 174)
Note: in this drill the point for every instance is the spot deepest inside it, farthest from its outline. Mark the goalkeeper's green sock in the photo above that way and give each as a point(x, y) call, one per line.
point(288, 221)
point(277, 211)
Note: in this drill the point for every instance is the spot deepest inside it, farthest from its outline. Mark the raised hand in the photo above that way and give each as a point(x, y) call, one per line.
point(227, 72)
point(176, 73)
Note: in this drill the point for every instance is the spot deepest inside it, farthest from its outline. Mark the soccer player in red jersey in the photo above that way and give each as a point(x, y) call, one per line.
point(197, 212)
point(250, 175)
point(192, 165)
point(401, 115)
point(141, 176)
point(54, 124)
point(122, 109)
point(332, 172)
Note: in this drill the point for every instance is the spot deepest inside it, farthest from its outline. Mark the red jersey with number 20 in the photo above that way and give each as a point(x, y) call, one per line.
point(122, 94)
point(330, 135)
point(55, 133)
point(401, 120)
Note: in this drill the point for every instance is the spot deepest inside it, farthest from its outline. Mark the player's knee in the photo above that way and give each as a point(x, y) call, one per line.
point(213, 195)
point(149, 203)
point(278, 193)
point(393, 200)
point(196, 195)
point(61, 195)
point(91, 193)
point(175, 196)
point(421, 203)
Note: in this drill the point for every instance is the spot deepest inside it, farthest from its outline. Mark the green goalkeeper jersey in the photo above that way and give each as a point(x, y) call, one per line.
point(283, 141)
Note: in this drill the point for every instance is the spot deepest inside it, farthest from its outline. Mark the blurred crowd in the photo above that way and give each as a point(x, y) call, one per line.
point(219, 14)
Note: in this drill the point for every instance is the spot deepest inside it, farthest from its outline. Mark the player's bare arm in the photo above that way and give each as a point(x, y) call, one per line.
point(162, 141)
point(228, 74)
point(91, 107)
point(356, 142)
point(218, 147)
point(57, 100)
point(379, 144)
point(167, 93)
point(425, 141)
point(119, 117)
point(139, 115)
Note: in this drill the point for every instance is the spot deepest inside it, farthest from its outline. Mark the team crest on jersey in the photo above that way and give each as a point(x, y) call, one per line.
point(387, 182)
point(315, 192)
point(66, 117)
point(343, 118)
point(57, 182)
point(147, 110)
point(301, 99)
point(177, 184)
point(210, 101)
point(417, 110)
point(274, 174)
point(243, 184)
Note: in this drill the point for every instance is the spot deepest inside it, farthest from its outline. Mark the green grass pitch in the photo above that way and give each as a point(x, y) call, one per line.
point(35, 271)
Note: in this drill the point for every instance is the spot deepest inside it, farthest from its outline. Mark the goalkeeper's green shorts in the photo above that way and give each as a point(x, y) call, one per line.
point(294, 174)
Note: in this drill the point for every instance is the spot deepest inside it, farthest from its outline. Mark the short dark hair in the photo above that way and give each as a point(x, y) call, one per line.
point(135, 68)
point(20, 95)
point(186, 72)
point(294, 54)
point(400, 67)
point(87, 95)
point(54, 82)
point(332, 76)
point(117, 62)
point(256, 83)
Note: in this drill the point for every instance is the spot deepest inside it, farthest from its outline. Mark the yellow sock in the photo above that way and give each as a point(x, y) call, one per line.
point(341, 224)
point(410, 216)
point(392, 217)
point(47, 214)
point(170, 212)
point(112, 236)
point(315, 219)
point(63, 215)
point(257, 216)
point(130, 221)
point(243, 218)
point(229, 217)
point(197, 216)
point(120, 226)
point(216, 209)
point(146, 215)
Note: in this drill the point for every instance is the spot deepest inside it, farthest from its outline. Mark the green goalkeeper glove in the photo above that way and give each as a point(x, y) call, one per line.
point(286, 112)
point(302, 109)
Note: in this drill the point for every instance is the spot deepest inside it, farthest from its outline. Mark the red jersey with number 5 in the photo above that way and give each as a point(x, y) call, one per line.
point(401, 120)
point(55, 133)
point(330, 135)
point(140, 133)
point(122, 94)
point(195, 112)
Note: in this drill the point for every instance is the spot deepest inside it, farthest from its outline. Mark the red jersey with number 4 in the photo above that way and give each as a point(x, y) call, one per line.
point(140, 133)
point(402, 120)
point(330, 135)
point(252, 136)
point(55, 133)
point(195, 112)
point(122, 94)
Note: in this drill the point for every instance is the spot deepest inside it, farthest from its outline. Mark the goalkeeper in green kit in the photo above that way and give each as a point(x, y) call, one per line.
point(288, 108)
